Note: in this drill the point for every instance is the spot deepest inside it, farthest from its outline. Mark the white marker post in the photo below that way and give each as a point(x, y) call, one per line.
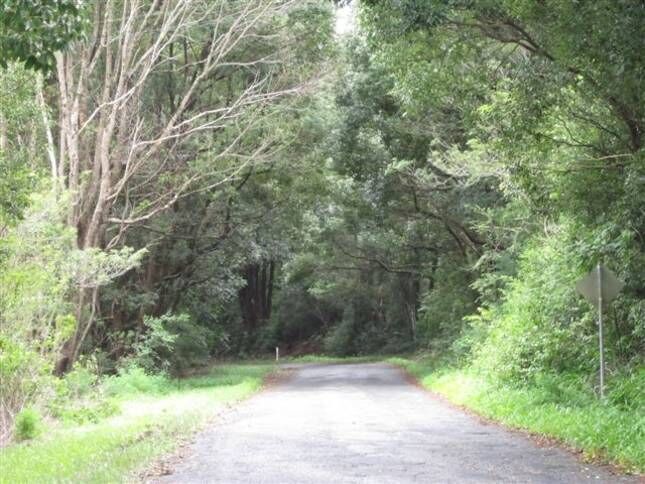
point(277, 353)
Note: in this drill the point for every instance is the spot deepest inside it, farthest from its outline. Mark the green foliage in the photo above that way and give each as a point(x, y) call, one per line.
point(78, 397)
point(173, 342)
point(95, 267)
point(194, 345)
point(40, 269)
point(34, 280)
point(27, 34)
point(133, 379)
point(152, 351)
point(25, 377)
point(445, 305)
point(340, 340)
point(85, 412)
point(458, 168)
point(541, 324)
point(37, 274)
point(536, 327)
point(28, 424)
point(311, 25)
point(22, 141)
point(527, 112)
point(78, 383)
point(626, 390)
point(13, 359)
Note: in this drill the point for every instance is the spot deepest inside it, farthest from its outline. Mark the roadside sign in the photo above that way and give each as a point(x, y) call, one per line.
point(600, 286)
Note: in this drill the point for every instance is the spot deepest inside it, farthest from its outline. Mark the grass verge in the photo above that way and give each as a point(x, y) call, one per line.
point(313, 358)
point(602, 431)
point(155, 414)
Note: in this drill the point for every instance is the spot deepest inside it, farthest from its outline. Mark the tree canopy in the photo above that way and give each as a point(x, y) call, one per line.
point(187, 179)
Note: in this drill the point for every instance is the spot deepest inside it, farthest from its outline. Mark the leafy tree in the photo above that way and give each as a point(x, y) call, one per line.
point(40, 268)
point(22, 141)
point(238, 180)
point(550, 96)
point(33, 31)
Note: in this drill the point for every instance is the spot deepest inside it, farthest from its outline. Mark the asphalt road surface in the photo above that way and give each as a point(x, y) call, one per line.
point(365, 423)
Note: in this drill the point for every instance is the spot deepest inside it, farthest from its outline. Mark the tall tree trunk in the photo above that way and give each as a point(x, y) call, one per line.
point(113, 150)
point(256, 296)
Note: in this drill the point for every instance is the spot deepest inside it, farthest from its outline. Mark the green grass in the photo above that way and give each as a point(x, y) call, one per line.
point(552, 408)
point(151, 422)
point(330, 359)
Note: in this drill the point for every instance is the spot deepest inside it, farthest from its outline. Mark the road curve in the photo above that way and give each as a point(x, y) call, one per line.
point(364, 423)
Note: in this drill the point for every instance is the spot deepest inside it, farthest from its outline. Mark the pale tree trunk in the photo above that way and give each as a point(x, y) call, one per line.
point(51, 149)
point(3, 133)
point(113, 151)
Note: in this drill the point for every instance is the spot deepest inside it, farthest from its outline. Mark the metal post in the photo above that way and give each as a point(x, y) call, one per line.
point(600, 340)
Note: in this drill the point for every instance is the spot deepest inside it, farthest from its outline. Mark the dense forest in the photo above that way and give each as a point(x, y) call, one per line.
point(187, 181)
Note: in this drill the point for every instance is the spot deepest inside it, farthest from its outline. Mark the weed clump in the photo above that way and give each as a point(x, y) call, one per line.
point(28, 424)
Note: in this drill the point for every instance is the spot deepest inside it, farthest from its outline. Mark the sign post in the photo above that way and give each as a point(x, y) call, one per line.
point(600, 333)
point(599, 287)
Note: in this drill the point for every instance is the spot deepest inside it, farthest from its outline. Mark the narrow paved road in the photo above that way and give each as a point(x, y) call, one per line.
point(365, 423)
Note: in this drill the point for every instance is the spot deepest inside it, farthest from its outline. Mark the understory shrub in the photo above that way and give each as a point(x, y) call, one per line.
point(78, 382)
point(444, 306)
point(27, 424)
point(40, 271)
point(79, 397)
point(81, 412)
point(35, 275)
point(173, 343)
point(339, 341)
point(541, 325)
point(24, 376)
point(569, 389)
point(134, 379)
